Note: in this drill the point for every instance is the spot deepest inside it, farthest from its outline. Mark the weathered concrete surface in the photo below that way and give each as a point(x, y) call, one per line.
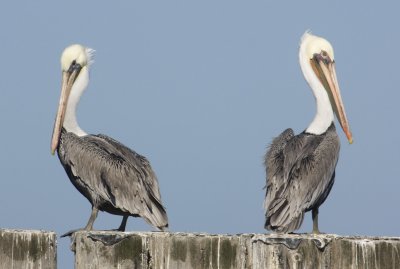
point(25, 249)
point(160, 250)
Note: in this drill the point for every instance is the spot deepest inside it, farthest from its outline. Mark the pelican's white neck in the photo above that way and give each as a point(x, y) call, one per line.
point(80, 85)
point(324, 115)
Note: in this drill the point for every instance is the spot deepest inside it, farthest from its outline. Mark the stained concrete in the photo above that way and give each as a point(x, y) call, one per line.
point(160, 250)
point(27, 249)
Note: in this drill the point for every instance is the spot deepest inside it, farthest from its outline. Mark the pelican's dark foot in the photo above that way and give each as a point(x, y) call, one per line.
point(115, 230)
point(159, 231)
point(316, 232)
point(122, 227)
point(70, 233)
point(89, 225)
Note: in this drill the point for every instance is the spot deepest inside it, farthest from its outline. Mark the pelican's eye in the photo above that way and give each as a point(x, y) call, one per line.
point(324, 56)
point(74, 66)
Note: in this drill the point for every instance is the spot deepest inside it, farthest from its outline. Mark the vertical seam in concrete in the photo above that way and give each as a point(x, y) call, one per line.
point(148, 253)
point(394, 256)
point(96, 253)
point(169, 254)
point(12, 253)
point(243, 241)
point(144, 254)
point(218, 250)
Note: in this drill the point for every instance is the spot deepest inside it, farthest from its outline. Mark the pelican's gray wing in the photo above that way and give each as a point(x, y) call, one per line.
point(113, 177)
point(299, 177)
point(141, 163)
point(274, 161)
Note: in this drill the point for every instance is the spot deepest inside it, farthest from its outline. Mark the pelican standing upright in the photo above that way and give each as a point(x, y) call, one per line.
point(301, 169)
point(111, 176)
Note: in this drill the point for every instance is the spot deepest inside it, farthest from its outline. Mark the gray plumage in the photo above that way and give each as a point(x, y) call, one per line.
point(300, 174)
point(112, 177)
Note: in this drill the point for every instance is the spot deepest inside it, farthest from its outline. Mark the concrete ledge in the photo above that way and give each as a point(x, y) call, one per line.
point(20, 249)
point(246, 251)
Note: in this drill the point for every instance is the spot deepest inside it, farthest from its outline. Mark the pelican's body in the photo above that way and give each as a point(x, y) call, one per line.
point(301, 168)
point(111, 176)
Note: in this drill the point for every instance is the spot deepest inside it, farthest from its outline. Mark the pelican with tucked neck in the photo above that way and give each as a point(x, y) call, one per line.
point(114, 178)
point(301, 168)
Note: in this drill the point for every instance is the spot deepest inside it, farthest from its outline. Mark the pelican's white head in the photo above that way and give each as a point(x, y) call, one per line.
point(75, 62)
point(312, 44)
point(76, 54)
point(318, 65)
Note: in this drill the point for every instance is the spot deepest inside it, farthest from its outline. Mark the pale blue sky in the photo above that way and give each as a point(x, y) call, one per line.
point(200, 88)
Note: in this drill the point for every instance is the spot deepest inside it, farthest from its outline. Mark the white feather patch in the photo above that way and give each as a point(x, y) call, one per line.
point(90, 56)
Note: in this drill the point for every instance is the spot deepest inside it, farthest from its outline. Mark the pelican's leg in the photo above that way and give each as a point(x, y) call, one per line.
point(93, 216)
point(89, 225)
point(122, 227)
point(315, 221)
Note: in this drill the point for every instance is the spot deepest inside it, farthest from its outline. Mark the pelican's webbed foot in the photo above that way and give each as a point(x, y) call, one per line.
point(70, 233)
point(89, 225)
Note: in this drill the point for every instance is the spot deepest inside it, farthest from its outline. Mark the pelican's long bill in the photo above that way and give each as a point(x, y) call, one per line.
point(68, 79)
point(324, 68)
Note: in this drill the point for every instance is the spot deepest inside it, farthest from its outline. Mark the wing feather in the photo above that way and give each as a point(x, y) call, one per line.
point(300, 178)
point(113, 177)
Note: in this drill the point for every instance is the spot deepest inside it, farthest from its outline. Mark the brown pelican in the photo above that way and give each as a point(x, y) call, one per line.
point(301, 168)
point(111, 176)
